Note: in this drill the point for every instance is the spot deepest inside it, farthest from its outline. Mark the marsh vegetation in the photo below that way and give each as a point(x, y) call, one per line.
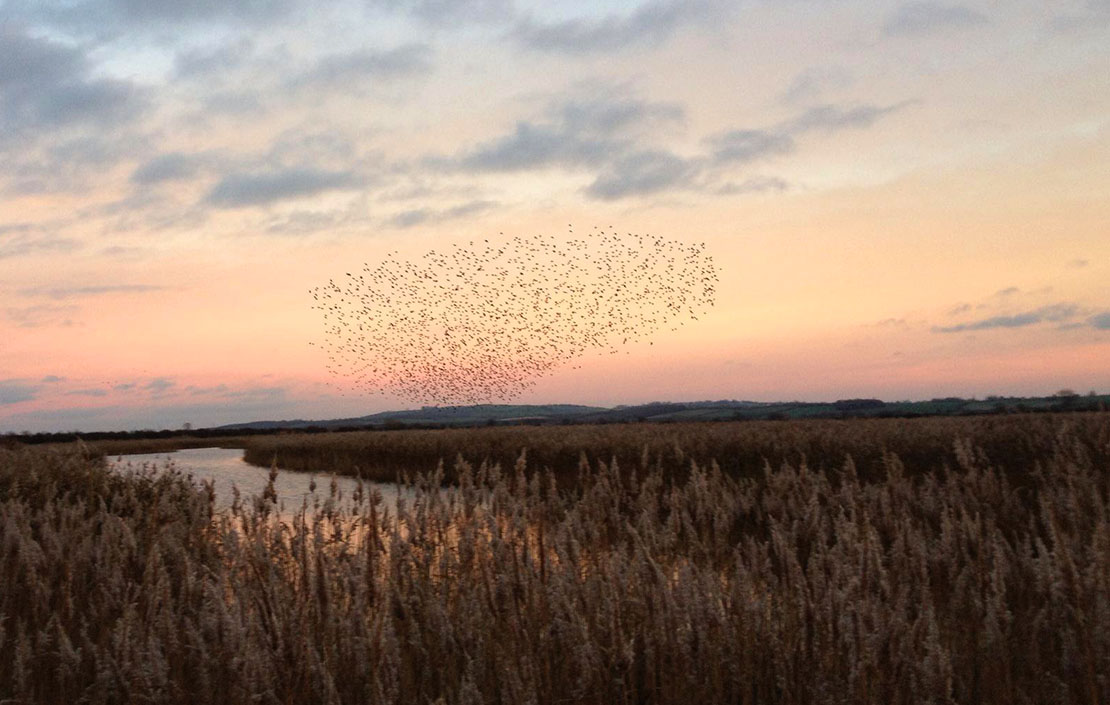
point(854, 562)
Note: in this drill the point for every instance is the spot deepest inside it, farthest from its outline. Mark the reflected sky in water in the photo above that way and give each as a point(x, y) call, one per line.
point(227, 469)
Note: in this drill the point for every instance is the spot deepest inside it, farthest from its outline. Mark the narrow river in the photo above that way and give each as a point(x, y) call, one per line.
point(228, 471)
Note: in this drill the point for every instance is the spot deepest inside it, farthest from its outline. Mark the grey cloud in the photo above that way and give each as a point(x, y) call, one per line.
point(892, 323)
point(743, 146)
point(172, 166)
point(1095, 14)
point(41, 315)
point(76, 166)
point(245, 393)
point(159, 385)
point(642, 173)
point(1008, 291)
point(421, 216)
point(321, 147)
point(608, 115)
point(52, 379)
point(1056, 313)
point(348, 70)
point(304, 222)
point(71, 292)
point(747, 145)
point(14, 391)
point(814, 82)
point(44, 83)
point(582, 131)
point(204, 391)
point(87, 393)
point(650, 23)
point(532, 145)
point(124, 387)
point(833, 118)
point(232, 102)
point(756, 184)
point(1100, 321)
point(451, 12)
point(412, 217)
point(109, 16)
point(921, 18)
point(210, 61)
point(260, 188)
point(608, 137)
point(17, 228)
point(256, 394)
point(21, 243)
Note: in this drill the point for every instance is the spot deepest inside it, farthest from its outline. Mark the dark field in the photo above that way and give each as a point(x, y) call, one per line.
point(872, 561)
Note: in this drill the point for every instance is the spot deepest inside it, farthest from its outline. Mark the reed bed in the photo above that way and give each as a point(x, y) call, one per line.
point(969, 581)
point(741, 449)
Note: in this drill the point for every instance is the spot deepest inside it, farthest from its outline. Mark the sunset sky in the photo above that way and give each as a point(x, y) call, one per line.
point(903, 201)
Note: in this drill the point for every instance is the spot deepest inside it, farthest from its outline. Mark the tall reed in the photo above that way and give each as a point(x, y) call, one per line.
point(962, 582)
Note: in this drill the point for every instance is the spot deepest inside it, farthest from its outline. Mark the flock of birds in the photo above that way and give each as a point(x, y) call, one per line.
point(483, 323)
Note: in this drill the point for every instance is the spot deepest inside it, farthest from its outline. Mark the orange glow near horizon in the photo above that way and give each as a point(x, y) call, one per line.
point(899, 215)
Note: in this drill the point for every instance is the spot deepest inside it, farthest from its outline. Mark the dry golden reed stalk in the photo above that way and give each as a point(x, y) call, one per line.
point(977, 574)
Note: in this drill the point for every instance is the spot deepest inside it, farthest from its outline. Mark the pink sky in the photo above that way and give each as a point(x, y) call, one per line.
point(903, 200)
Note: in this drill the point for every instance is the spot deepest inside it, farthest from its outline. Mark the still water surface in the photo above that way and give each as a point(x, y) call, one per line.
point(227, 469)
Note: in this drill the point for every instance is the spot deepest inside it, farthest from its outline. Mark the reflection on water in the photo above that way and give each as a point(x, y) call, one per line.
point(226, 468)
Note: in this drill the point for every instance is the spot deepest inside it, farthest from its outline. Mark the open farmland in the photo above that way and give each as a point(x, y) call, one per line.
point(948, 561)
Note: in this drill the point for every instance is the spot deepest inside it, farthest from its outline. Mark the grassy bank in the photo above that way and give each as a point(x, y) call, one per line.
point(959, 582)
point(111, 448)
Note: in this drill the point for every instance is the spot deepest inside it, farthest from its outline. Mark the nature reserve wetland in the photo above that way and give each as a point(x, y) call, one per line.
point(509, 352)
point(866, 561)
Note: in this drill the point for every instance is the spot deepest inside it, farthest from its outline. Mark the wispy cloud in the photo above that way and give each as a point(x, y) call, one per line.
point(88, 392)
point(196, 391)
point(834, 118)
point(814, 83)
point(111, 16)
point(159, 385)
point(648, 24)
point(173, 166)
point(743, 146)
point(14, 391)
point(613, 138)
point(41, 315)
point(754, 184)
point(1100, 321)
point(46, 84)
point(350, 70)
point(260, 188)
point(19, 243)
point(582, 131)
point(922, 18)
point(1056, 313)
point(642, 173)
point(1091, 15)
point(421, 216)
point(73, 292)
point(446, 13)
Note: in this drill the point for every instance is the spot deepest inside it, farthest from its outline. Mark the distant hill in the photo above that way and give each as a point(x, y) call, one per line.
point(721, 410)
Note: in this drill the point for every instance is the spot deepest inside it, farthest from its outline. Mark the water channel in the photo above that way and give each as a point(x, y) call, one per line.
point(226, 468)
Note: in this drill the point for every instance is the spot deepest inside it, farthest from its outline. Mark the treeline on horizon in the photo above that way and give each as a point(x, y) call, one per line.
point(654, 412)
